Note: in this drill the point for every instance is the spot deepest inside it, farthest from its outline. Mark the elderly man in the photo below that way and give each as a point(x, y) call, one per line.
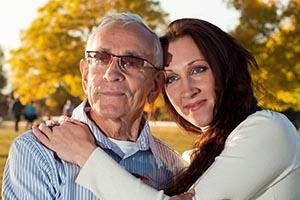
point(120, 72)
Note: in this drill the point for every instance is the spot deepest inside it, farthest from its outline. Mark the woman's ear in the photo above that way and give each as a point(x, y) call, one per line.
point(156, 87)
point(84, 70)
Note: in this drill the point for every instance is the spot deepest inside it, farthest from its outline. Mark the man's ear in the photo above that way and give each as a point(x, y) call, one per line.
point(84, 70)
point(156, 87)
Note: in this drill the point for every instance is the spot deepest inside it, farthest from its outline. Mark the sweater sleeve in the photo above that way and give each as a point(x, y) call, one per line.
point(109, 181)
point(255, 154)
point(258, 151)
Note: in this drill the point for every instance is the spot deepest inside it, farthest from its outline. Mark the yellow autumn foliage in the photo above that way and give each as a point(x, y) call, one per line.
point(52, 46)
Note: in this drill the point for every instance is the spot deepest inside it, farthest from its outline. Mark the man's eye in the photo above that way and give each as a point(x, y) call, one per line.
point(102, 58)
point(198, 69)
point(171, 79)
point(130, 62)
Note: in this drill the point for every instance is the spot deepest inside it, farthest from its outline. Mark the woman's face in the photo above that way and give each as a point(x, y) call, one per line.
point(190, 84)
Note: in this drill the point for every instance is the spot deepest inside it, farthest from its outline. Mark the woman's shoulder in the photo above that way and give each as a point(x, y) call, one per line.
point(268, 120)
point(267, 115)
point(267, 135)
point(267, 125)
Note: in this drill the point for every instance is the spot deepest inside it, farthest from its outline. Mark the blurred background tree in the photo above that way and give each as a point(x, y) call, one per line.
point(2, 76)
point(3, 98)
point(270, 29)
point(46, 65)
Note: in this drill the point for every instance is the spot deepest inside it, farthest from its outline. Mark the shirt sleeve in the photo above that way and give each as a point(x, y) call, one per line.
point(26, 175)
point(109, 181)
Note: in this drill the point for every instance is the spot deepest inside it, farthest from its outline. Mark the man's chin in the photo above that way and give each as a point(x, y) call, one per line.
point(113, 114)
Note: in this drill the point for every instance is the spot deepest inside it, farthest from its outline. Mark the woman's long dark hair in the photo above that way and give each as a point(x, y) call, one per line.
point(235, 100)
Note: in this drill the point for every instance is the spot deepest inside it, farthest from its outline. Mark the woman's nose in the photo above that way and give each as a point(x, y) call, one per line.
point(189, 90)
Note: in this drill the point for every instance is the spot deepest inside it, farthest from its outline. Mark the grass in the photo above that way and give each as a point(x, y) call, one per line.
point(177, 139)
point(7, 135)
point(172, 135)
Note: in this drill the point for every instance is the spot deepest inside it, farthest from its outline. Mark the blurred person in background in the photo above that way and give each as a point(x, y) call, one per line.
point(68, 108)
point(30, 114)
point(17, 110)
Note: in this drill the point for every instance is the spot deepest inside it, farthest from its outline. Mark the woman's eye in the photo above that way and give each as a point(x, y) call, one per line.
point(170, 79)
point(198, 69)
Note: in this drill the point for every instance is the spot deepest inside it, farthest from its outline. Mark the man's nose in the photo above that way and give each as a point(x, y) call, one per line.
point(113, 72)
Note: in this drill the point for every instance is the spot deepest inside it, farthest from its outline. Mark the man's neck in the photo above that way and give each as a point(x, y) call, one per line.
point(119, 129)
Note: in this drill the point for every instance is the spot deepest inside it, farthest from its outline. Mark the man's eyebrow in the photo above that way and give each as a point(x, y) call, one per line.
point(104, 50)
point(132, 53)
point(125, 53)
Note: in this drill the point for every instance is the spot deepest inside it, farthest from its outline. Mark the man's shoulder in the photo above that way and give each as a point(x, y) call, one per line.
point(26, 138)
point(27, 146)
point(162, 145)
point(168, 155)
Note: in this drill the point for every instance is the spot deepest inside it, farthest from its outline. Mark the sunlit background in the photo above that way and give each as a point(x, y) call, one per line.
point(42, 41)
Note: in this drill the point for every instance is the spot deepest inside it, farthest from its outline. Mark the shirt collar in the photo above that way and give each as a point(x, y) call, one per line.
point(144, 142)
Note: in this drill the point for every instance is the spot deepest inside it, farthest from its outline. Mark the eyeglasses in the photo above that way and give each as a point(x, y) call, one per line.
point(126, 63)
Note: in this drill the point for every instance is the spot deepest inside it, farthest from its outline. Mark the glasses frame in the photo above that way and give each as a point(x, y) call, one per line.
point(119, 57)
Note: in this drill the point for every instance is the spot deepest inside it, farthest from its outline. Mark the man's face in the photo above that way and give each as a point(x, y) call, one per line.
point(112, 92)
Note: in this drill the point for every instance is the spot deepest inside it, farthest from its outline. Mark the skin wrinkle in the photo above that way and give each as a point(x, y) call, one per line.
point(117, 115)
point(146, 53)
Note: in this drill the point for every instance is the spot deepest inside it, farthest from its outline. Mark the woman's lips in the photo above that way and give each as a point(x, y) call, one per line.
point(195, 106)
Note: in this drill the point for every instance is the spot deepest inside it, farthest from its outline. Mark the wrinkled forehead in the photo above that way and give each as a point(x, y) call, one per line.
point(121, 37)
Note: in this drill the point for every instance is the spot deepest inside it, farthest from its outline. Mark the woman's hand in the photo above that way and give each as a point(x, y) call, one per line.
point(185, 196)
point(70, 140)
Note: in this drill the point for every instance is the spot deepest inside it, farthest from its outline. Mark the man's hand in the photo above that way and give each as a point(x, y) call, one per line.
point(71, 140)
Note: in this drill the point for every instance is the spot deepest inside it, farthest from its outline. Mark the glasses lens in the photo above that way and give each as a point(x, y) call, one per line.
point(98, 58)
point(102, 58)
point(128, 62)
point(125, 62)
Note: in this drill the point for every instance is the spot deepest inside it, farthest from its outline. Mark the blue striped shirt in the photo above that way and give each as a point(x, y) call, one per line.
point(34, 172)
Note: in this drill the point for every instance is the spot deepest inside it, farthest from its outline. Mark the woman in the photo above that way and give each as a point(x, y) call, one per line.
point(243, 151)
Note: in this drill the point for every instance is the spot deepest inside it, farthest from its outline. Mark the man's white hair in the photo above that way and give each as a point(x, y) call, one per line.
point(128, 18)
